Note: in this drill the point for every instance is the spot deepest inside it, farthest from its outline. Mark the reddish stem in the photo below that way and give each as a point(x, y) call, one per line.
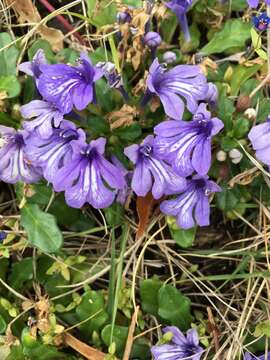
point(63, 21)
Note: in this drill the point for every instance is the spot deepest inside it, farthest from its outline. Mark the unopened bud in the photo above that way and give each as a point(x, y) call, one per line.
point(123, 17)
point(236, 156)
point(169, 57)
point(152, 39)
point(250, 113)
point(221, 156)
point(243, 103)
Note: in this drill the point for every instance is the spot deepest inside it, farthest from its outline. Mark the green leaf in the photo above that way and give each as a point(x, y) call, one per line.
point(45, 46)
point(97, 126)
point(241, 128)
point(149, 295)
point(21, 272)
point(10, 85)
point(235, 33)
point(227, 199)
point(262, 54)
point(183, 238)
point(128, 133)
point(41, 228)
point(241, 74)
point(16, 353)
point(114, 214)
point(174, 307)
point(140, 349)
point(92, 307)
point(101, 12)
point(262, 329)
point(8, 57)
point(225, 112)
point(3, 325)
point(256, 39)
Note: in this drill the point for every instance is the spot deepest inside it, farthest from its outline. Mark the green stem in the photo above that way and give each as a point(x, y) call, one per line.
point(112, 278)
point(119, 276)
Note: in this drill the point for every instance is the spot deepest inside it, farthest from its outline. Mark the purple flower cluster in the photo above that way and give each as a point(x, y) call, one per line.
point(174, 161)
point(248, 356)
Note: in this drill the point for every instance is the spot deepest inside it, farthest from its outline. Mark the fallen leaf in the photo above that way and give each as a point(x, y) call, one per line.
point(28, 13)
point(82, 348)
point(123, 117)
point(53, 36)
point(144, 207)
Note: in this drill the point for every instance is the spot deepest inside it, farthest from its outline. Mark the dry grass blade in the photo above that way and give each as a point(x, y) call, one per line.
point(130, 337)
point(82, 348)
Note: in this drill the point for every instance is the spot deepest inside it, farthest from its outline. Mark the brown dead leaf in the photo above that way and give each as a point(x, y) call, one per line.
point(144, 207)
point(123, 117)
point(28, 13)
point(245, 178)
point(53, 36)
point(154, 104)
point(82, 348)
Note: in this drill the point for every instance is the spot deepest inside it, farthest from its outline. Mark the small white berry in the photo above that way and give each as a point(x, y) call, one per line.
point(236, 156)
point(221, 155)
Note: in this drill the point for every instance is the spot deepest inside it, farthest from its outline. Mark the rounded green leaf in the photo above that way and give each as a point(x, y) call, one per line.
point(41, 228)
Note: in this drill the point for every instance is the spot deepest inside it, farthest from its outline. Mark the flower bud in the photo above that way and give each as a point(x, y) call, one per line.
point(221, 155)
point(169, 57)
point(123, 17)
point(152, 39)
point(236, 156)
point(250, 113)
point(243, 103)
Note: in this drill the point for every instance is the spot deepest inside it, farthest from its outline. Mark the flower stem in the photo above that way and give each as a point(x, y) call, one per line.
point(63, 21)
point(184, 26)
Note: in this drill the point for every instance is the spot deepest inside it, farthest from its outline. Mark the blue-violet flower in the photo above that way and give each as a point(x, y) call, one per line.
point(46, 117)
point(89, 177)
point(181, 81)
point(181, 346)
point(15, 164)
point(187, 144)
point(192, 206)
point(66, 86)
point(259, 136)
point(152, 173)
point(180, 8)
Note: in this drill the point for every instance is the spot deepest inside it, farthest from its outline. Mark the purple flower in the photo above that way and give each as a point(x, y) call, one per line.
point(180, 8)
point(152, 173)
point(3, 235)
point(67, 86)
point(46, 117)
point(261, 22)
point(248, 356)
point(192, 206)
point(259, 136)
point(54, 152)
point(15, 165)
point(254, 3)
point(89, 177)
point(32, 68)
point(211, 95)
point(181, 346)
point(123, 193)
point(187, 144)
point(184, 80)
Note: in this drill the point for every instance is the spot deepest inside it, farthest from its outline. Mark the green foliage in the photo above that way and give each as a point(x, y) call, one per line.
point(240, 75)
point(166, 302)
point(140, 348)
point(21, 272)
point(183, 238)
point(45, 46)
point(10, 85)
point(149, 295)
point(41, 228)
point(91, 307)
point(174, 307)
point(8, 55)
point(234, 34)
point(101, 12)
